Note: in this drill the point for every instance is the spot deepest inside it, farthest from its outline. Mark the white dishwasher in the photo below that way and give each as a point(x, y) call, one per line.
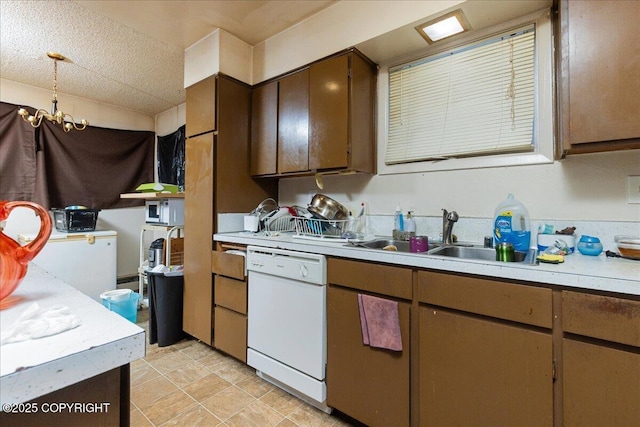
point(287, 325)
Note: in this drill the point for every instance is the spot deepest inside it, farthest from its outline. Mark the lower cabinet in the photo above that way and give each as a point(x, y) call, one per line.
point(601, 360)
point(477, 372)
point(483, 361)
point(366, 383)
point(230, 299)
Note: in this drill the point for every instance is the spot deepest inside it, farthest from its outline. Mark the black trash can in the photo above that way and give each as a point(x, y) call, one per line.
point(165, 308)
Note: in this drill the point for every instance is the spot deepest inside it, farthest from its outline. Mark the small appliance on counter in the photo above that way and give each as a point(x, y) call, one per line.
point(156, 253)
point(164, 212)
point(75, 219)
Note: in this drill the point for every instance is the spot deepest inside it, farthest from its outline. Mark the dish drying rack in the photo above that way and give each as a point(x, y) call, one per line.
point(313, 227)
point(323, 228)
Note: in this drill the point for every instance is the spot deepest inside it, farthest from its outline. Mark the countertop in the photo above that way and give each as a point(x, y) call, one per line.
point(103, 341)
point(579, 271)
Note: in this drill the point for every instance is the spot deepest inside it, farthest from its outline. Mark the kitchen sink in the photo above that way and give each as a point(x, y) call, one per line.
point(401, 245)
point(479, 253)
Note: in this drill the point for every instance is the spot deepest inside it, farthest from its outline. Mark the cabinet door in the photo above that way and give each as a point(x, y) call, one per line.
point(329, 113)
point(201, 107)
point(368, 384)
point(235, 189)
point(198, 230)
point(475, 372)
point(601, 386)
point(264, 129)
point(231, 333)
point(600, 51)
point(293, 123)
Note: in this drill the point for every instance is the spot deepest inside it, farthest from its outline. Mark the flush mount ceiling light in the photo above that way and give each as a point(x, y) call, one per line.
point(444, 26)
point(56, 116)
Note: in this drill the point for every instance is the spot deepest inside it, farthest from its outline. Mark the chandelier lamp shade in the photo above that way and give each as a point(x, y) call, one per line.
point(56, 116)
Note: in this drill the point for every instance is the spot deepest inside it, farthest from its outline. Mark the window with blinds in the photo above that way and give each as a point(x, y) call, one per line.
point(471, 101)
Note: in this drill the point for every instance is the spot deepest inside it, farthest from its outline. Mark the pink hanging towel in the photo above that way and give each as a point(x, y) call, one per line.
point(380, 322)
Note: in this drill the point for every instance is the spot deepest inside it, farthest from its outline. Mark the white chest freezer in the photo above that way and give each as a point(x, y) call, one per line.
point(86, 260)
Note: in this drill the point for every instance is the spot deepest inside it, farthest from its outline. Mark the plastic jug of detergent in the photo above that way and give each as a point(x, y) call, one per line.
point(512, 225)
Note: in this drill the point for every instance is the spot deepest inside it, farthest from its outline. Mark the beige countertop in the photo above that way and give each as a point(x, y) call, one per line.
point(578, 271)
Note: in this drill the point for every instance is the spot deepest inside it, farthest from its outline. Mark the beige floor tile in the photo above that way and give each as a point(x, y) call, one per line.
point(281, 401)
point(138, 420)
point(146, 394)
point(169, 406)
point(255, 386)
point(187, 374)
point(205, 387)
point(138, 362)
point(142, 373)
point(228, 402)
point(169, 362)
point(287, 423)
point(195, 416)
point(213, 359)
point(233, 371)
point(180, 345)
point(257, 414)
point(309, 416)
point(197, 350)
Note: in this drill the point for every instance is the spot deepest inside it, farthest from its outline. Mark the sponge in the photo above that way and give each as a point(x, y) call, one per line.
point(551, 259)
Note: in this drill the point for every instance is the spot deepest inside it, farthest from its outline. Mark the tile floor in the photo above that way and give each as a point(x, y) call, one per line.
point(191, 384)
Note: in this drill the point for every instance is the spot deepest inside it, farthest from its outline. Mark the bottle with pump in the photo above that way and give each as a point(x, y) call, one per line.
point(511, 224)
point(399, 219)
point(410, 223)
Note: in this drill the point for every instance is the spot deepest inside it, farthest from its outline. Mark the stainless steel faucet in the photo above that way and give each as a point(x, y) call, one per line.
point(448, 219)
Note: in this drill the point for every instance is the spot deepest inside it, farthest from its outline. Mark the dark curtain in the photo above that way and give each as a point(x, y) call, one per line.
point(171, 158)
point(17, 155)
point(90, 167)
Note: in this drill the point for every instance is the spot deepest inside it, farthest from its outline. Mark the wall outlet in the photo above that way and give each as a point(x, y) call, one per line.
point(633, 189)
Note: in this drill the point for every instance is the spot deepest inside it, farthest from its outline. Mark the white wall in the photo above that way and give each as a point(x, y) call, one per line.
point(581, 187)
point(125, 221)
point(217, 52)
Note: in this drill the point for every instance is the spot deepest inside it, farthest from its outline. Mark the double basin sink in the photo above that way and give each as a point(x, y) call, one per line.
point(456, 250)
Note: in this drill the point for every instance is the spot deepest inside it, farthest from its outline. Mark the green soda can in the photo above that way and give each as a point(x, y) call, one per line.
point(505, 252)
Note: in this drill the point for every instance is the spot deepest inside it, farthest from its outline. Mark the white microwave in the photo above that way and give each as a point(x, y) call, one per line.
point(165, 211)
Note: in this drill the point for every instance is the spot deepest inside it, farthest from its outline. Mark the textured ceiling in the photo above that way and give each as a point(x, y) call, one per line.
point(128, 53)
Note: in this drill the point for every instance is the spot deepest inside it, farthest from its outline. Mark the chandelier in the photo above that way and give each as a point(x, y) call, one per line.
point(56, 116)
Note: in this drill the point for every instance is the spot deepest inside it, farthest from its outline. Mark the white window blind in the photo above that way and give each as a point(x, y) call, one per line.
point(475, 100)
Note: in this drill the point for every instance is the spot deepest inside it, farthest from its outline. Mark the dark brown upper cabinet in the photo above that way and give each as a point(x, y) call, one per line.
point(293, 123)
point(599, 87)
point(329, 114)
point(264, 129)
point(319, 118)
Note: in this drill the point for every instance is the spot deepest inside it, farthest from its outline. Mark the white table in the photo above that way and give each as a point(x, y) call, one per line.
point(104, 342)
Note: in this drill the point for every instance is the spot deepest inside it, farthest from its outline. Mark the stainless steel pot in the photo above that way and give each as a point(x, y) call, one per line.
point(328, 208)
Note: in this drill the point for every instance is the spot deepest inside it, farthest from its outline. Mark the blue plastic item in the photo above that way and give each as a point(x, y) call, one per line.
point(127, 308)
point(511, 224)
point(589, 246)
